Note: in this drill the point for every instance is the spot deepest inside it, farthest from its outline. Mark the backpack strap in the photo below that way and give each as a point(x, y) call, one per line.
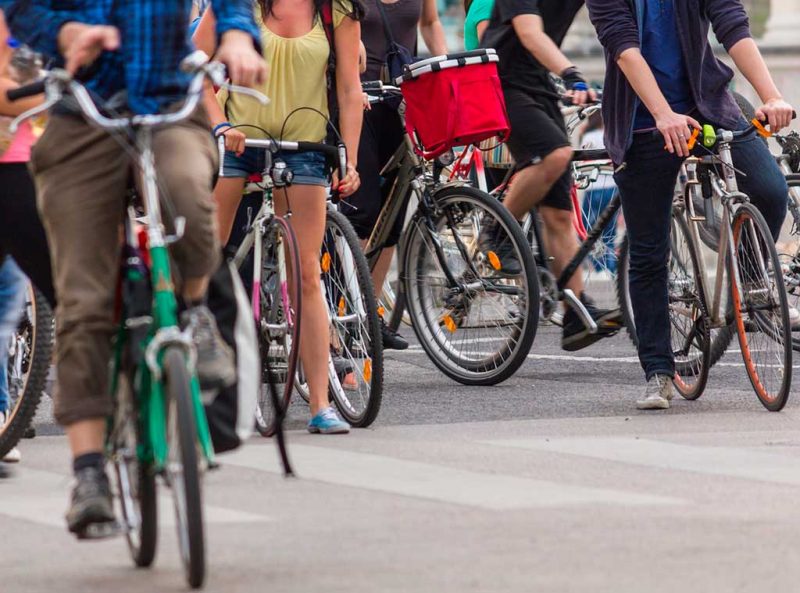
point(326, 14)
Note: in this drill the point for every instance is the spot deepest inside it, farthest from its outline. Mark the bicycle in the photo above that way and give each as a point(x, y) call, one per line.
point(748, 298)
point(29, 357)
point(474, 322)
point(158, 426)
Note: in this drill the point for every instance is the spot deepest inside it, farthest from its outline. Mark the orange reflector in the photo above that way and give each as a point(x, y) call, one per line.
point(381, 311)
point(448, 322)
point(341, 306)
point(367, 370)
point(326, 262)
point(494, 260)
point(693, 139)
point(762, 131)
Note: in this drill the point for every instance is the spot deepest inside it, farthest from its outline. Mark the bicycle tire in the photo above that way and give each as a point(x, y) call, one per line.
point(39, 342)
point(720, 337)
point(141, 511)
point(272, 292)
point(370, 372)
point(691, 375)
point(183, 449)
point(772, 399)
point(491, 368)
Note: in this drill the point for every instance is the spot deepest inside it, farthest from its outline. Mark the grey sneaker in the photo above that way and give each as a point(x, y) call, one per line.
point(216, 365)
point(91, 502)
point(657, 394)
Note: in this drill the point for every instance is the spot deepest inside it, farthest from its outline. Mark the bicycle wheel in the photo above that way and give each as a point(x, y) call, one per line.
point(136, 481)
point(355, 325)
point(479, 330)
point(691, 337)
point(278, 303)
point(760, 308)
point(182, 467)
point(719, 338)
point(28, 363)
point(393, 303)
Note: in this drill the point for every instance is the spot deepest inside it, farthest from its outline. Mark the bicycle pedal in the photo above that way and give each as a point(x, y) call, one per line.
point(99, 531)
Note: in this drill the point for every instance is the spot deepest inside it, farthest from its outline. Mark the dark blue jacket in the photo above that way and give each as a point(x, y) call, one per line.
point(617, 24)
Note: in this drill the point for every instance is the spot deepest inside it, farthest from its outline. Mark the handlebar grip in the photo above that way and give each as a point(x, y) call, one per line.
point(28, 90)
point(373, 85)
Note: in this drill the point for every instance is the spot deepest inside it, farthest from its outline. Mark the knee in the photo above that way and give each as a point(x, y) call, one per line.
point(310, 275)
point(556, 163)
point(649, 258)
point(558, 221)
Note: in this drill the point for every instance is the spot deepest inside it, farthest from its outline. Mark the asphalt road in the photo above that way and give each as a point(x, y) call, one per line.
point(549, 482)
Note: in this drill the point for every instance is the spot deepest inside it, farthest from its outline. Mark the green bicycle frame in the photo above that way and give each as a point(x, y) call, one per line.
point(148, 380)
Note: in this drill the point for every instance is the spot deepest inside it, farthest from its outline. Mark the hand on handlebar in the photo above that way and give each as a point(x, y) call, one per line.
point(234, 140)
point(676, 129)
point(246, 67)
point(350, 184)
point(777, 112)
point(82, 44)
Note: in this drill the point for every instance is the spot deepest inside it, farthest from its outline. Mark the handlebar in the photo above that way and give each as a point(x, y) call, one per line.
point(379, 92)
point(58, 83)
point(708, 136)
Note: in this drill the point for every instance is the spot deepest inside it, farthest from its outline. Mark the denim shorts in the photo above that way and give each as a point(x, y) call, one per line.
point(309, 168)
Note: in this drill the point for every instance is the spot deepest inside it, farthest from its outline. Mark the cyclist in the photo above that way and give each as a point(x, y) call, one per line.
point(297, 49)
point(526, 35)
point(662, 77)
point(82, 176)
point(383, 132)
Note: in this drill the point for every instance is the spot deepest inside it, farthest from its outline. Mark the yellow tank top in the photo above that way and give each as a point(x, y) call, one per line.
point(296, 79)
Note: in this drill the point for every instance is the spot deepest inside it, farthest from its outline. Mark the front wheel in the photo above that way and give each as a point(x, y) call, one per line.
point(475, 320)
point(182, 469)
point(760, 308)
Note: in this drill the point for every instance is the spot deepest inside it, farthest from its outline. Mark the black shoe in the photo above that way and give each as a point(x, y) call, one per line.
point(91, 502)
point(493, 239)
point(216, 364)
point(391, 339)
point(576, 335)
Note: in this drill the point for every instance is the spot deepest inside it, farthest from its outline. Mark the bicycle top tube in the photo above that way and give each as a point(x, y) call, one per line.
point(57, 83)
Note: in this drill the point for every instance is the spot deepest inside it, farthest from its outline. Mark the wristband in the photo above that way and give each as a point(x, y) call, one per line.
point(573, 79)
point(222, 125)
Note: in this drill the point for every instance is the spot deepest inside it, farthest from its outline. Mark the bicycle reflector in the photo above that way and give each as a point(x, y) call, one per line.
point(709, 136)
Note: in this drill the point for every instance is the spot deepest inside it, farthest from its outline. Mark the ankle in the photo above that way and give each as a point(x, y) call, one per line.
point(86, 460)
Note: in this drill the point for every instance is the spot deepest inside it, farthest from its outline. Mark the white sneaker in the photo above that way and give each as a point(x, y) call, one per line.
point(657, 394)
point(13, 456)
point(794, 318)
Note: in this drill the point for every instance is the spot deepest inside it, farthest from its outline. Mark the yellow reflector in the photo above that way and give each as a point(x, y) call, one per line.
point(326, 262)
point(341, 306)
point(449, 323)
point(494, 260)
point(367, 370)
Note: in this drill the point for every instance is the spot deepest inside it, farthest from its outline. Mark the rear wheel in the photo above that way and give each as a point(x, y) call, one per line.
point(355, 326)
point(29, 358)
point(760, 308)
point(279, 305)
point(479, 330)
point(182, 468)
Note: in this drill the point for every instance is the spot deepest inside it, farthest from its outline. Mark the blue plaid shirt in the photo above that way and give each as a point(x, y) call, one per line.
point(154, 41)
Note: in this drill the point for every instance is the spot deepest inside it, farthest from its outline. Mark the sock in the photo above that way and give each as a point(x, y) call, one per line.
point(191, 303)
point(81, 462)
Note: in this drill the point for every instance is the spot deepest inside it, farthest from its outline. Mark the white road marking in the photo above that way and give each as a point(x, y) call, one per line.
point(435, 482)
point(733, 462)
point(41, 497)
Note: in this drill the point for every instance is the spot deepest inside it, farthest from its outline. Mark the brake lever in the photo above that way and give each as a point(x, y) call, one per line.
point(243, 90)
point(33, 111)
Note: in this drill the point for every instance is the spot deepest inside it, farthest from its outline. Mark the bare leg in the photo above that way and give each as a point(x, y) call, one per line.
point(533, 183)
point(86, 436)
point(227, 194)
point(381, 269)
point(308, 222)
point(562, 243)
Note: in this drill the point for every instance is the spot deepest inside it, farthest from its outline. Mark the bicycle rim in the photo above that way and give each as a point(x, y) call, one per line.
point(355, 327)
point(182, 468)
point(279, 321)
point(478, 336)
point(689, 328)
point(760, 308)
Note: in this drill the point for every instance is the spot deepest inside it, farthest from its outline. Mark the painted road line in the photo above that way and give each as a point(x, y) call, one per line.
point(435, 482)
point(735, 462)
point(41, 497)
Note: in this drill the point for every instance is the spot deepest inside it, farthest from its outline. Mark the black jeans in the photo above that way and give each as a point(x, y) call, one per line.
point(22, 235)
point(646, 186)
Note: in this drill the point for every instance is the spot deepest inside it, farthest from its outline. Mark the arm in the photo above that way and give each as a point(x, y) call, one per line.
point(349, 97)
point(240, 41)
point(674, 127)
point(431, 28)
point(748, 60)
point(481, 27)
point(11, 108)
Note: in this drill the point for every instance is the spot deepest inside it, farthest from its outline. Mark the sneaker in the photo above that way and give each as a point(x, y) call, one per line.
point(327, 421)
point(13, 456)
point(576, 335)
point(657, 394)
point(344, 370)
point(794, 318)
point(391, 339)
point(91, 501)
point(493, 239)
point(216, 366)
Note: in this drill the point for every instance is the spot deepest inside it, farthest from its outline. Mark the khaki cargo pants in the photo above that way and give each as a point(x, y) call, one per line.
point(82, 175)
